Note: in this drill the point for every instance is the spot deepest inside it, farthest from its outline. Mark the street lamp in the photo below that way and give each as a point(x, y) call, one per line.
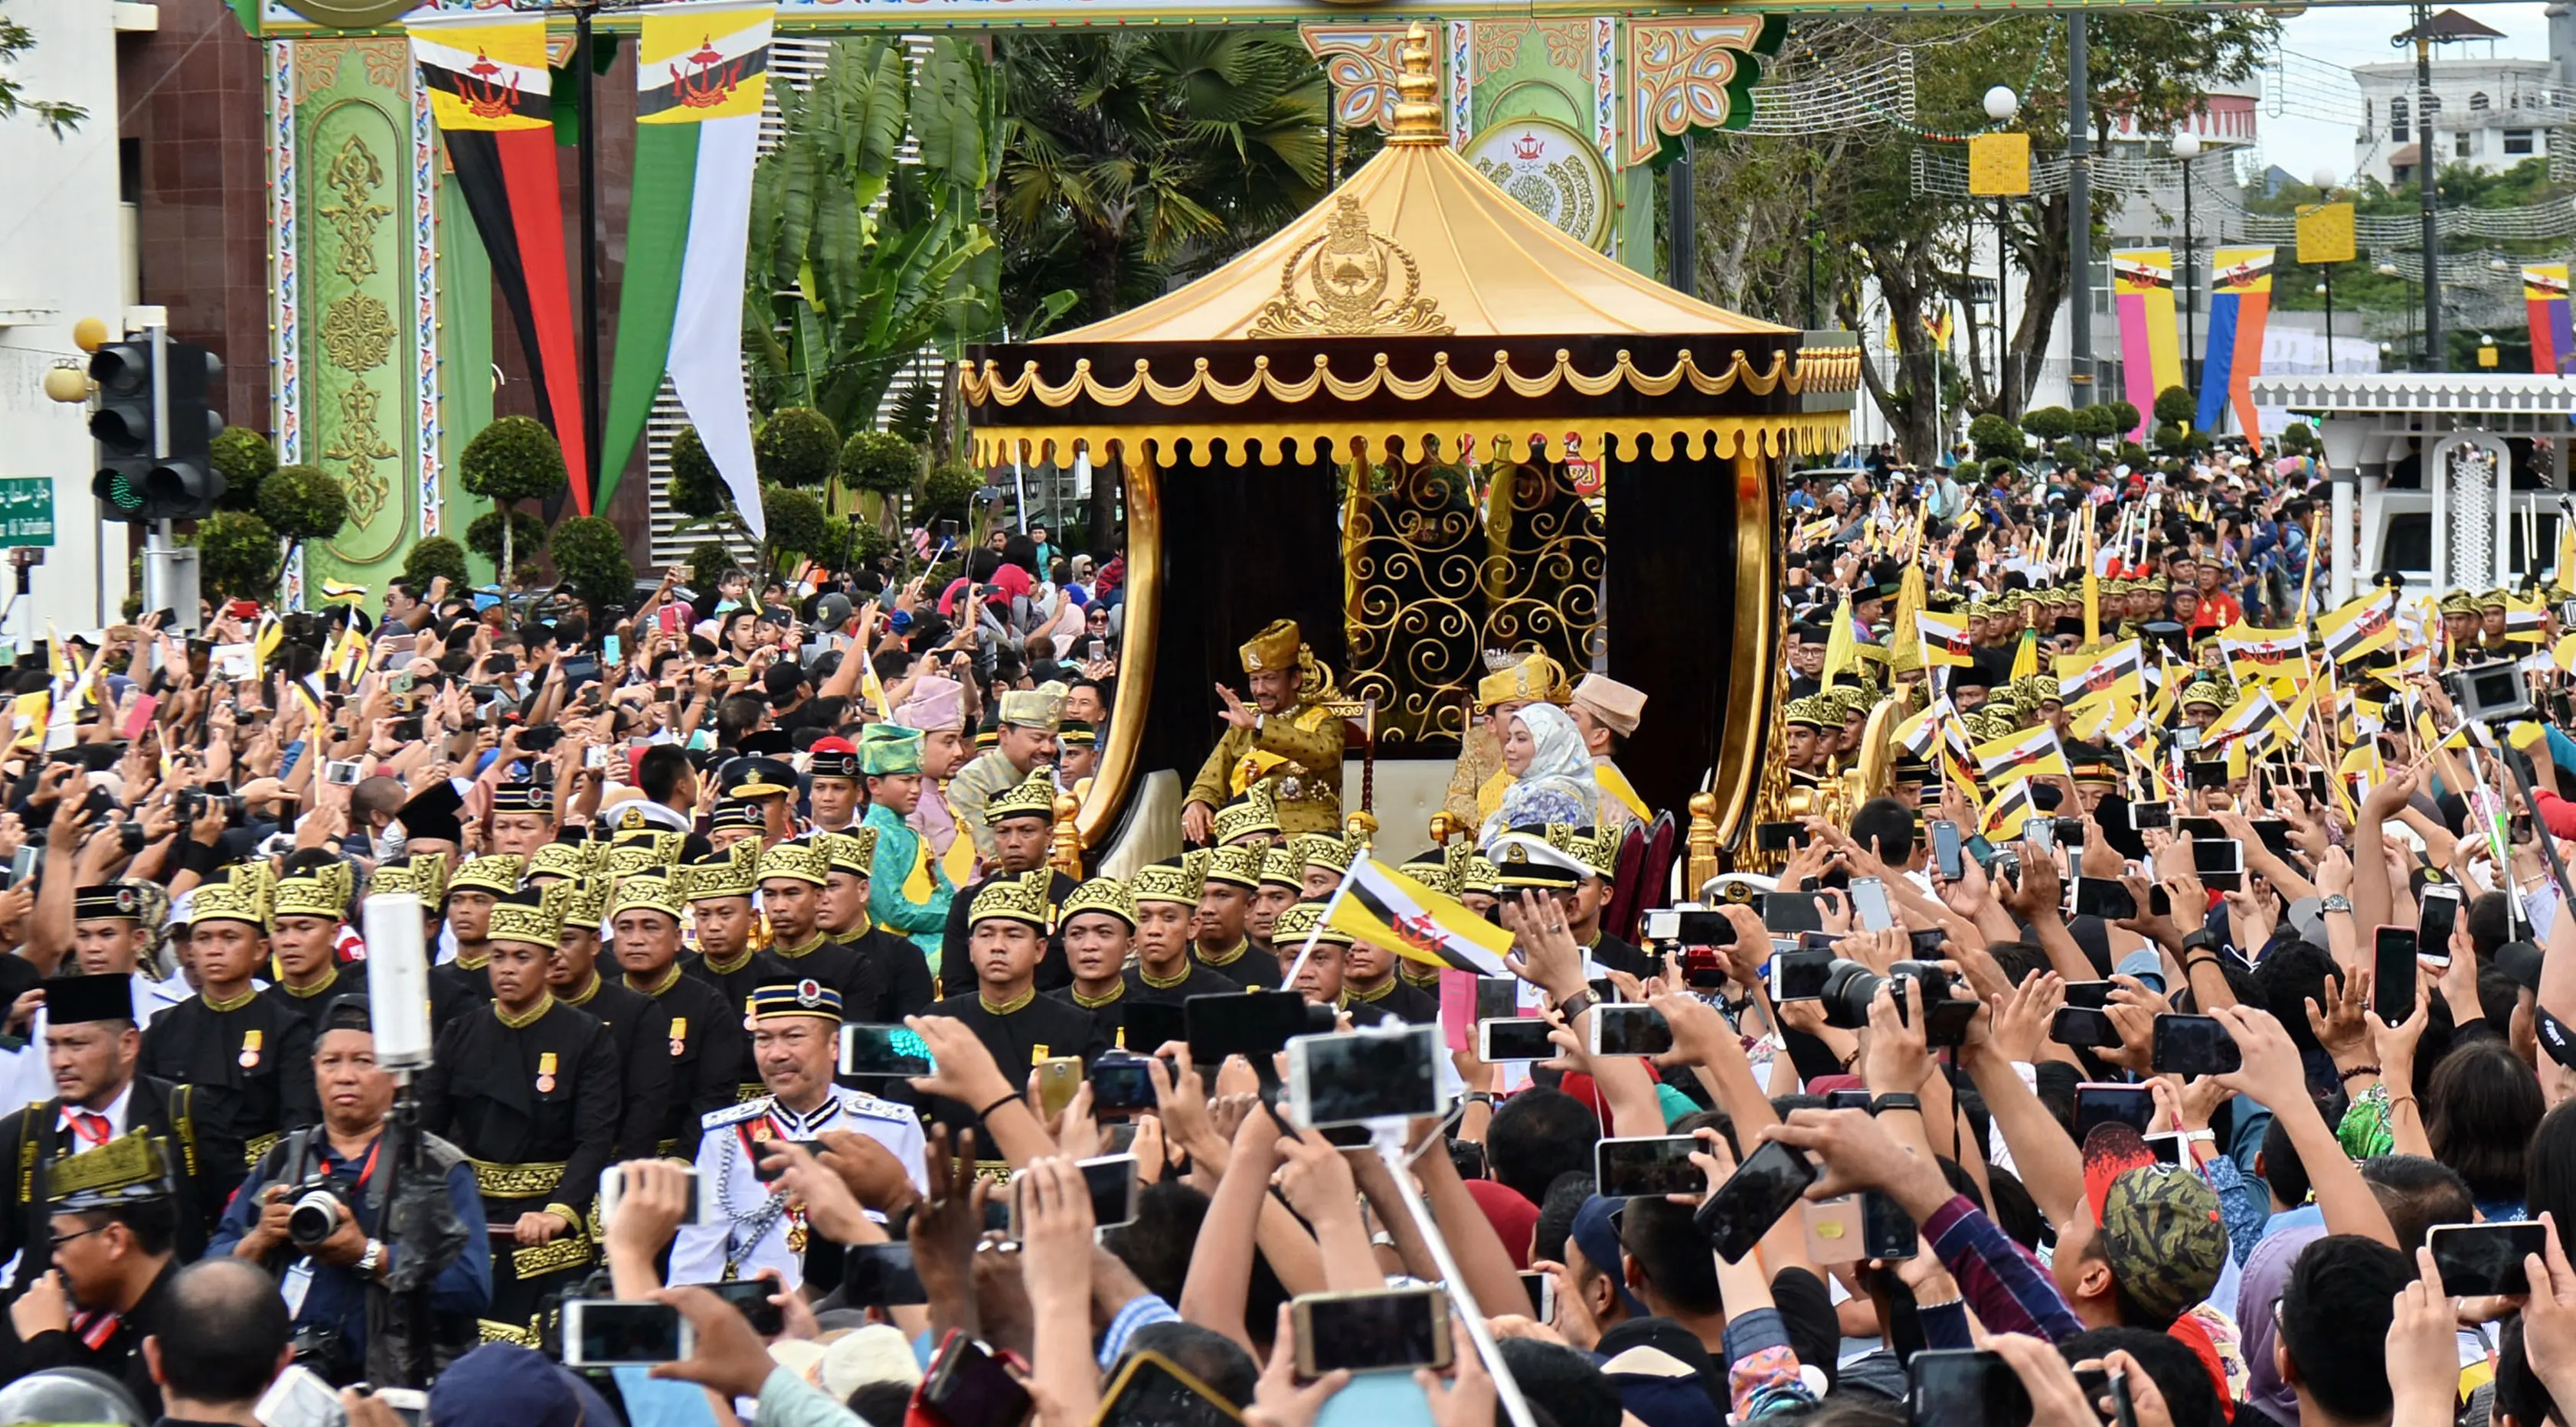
point(2001, 105)
point(2185, 146)
point(2407, 286)
point(2324, 179)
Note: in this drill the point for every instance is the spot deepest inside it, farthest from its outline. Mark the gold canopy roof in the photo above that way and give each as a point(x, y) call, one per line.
point(1419, 302)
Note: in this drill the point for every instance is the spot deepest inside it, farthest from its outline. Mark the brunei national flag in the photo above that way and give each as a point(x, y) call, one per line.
point(1385, 908)
point(700, 74)
point(2260, 654)
point(2116, 671)
point(490, 93)
point(2523, 619)
point(2255, 716)
point(1916, 733)
point(2363, 626)
point(2011, 807)
point(1945, 639)
point(344, 591)
point(2031, 753)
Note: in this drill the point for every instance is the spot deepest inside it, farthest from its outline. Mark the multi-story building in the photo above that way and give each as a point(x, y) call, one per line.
point(2489, 112)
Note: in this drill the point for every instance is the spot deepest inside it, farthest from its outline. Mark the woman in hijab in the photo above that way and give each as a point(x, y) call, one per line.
point(1551, 772)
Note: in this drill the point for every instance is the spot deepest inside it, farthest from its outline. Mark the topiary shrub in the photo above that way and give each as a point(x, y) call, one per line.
point(697, 489)
point(514, 459)
point(949, 492)
point(1995, 436)
point(590, 556)
point(432, 558)
point(520, 540)
point(2049, 423)
point(303, 503)
point(795, 522)
point(2097, 422)
point(2174, 407)
point(243, 458)
point(2297, 438)
point(2068, 454)
point(2170, 437)
point(236, 556)
point(708, 565)
point(2124, 417)
point(797, 446)
point(2133, 455)
point(879, 462)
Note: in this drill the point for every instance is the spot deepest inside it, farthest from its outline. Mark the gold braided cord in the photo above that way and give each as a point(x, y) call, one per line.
point(1272, 442)
point(1817, 369)
point(516, 1181)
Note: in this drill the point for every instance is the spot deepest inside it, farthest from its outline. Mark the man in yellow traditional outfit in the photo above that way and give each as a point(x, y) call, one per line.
point(1286, 738)
point(1606, 712)
point(1476, 784)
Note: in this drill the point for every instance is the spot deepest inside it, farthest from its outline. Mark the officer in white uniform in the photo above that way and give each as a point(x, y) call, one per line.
point(795, 1041)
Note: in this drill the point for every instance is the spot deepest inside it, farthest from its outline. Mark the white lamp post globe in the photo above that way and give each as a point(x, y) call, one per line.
point(2186, 145)
point(2002, 103)
point(2324, 178)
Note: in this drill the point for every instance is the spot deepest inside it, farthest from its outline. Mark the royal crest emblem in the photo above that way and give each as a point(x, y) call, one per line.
point(1349, 282)
point(484, 95)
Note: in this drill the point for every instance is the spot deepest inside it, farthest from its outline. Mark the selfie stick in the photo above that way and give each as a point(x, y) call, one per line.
point(2514, 761)
point(1386, 1136)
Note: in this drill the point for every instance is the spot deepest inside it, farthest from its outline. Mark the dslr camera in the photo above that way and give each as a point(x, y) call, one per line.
point(1850, 987)
point(190, 804)
point(313, 1211)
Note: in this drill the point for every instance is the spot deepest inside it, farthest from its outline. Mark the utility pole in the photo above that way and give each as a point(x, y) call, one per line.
point(2079, 215)
point(2437, 353)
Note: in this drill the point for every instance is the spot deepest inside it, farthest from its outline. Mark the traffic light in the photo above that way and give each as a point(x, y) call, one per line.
point(123, 425)
point(184, 484)
point(132, 482)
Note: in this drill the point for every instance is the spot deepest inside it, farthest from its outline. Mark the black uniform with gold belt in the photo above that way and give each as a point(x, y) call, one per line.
point(643, 1063)
point(1019, 1036)
point(901, 971)
point(250, 1062)
point(459, 986)
point(710, 1057)
point(1054, 972)
point(534, 1103)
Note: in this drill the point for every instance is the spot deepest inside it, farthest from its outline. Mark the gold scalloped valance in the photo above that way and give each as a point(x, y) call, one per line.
point(1820, 369)
point(1273, 443)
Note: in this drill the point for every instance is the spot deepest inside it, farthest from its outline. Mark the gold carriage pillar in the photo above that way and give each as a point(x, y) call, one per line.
point(1419, 308)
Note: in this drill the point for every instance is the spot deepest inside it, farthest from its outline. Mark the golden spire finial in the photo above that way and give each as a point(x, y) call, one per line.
point(1417, 107)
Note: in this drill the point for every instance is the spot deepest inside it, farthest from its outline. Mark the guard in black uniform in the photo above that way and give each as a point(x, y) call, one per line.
point(122, 1202)
point(1230, 878)
point(644, 1064)
point(1019, 1026)
point(249, 1058)
point(708, 1051)
point(792, 875)
point(462, 985)
point(900, 966)
point(719, 891)
point(1167, 897)
point(1022, 817)
point(527, 1088)
point(305, 917)
point(92, 1043)
point(1098, 924)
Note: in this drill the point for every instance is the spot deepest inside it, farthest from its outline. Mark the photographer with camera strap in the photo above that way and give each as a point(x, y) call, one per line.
point(314, 1213)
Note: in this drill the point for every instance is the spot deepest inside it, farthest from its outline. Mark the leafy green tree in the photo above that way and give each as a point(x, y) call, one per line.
point(591, 557)
point(795, 521)
point(59, 118)
point(514, 459)
point(697, 490)
point(859, 262)
point(243, 458)
point(797, 446)
point(236, 556)
point(428, 559)
point(513, 547)
point(1995, 437)
point(708, 565)
point(950, 491)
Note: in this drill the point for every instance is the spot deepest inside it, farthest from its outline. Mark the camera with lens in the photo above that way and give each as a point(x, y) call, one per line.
point(2490, 693)
point(1850, 987)
point(190, 804)
point(313, 1212)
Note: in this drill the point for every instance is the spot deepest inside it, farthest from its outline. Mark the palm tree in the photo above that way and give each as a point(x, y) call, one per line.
point(1136, 155)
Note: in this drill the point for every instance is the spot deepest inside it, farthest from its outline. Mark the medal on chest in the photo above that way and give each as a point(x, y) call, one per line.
point(250, 1050)
point(679, 1035)
point(546, 1063)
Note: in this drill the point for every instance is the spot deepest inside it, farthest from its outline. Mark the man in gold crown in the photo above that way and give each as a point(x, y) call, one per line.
point(1027, 744)
point(1476, 784)
point(527, 1087)
point(905, 972)
point(250, 1059)
point(1286, 738)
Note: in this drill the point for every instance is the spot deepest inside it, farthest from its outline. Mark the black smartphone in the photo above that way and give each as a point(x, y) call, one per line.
point(1792, 912)
point(1644, 1166)
point(884, 1050)
point(1151, 1025)
point(2144, 816)
point(1847, 1099)
point(2083, 1027)
point(1886, 1230)
point(540, 739)
point(1504, 1040)
point(1629, 1030)
point(1121, 1082)
point(2106, 1103)
point(2091, 995)
point(1249, 1024)
point(1926, 942)
point(1964, 1387)
point(2104, 897)
point(2485, 1260)
point(750, 1296)
point(1497, 996)
point(2206, 773)
point(880, 1276)
point(1947, 850)
point(2275, 834)
point(2392, 974)
point(2219, 863)
point(1768, 1184)
point(969, 1387)
point(2070, 836)
point(1777, 837)
point(2199, 829)
point(2437, 912)
point(2192, 1045)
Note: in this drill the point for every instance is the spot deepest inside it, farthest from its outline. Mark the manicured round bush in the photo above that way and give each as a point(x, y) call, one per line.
point(797, 446)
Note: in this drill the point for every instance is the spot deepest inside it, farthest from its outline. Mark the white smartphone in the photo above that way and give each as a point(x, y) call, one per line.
point(1354, 1078)
point(607, 1333)
point(1869, 904)
point(341, 772)
point(612, 1190)
point(1501, 1040)
point(300, 1398)
point(595, 756)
